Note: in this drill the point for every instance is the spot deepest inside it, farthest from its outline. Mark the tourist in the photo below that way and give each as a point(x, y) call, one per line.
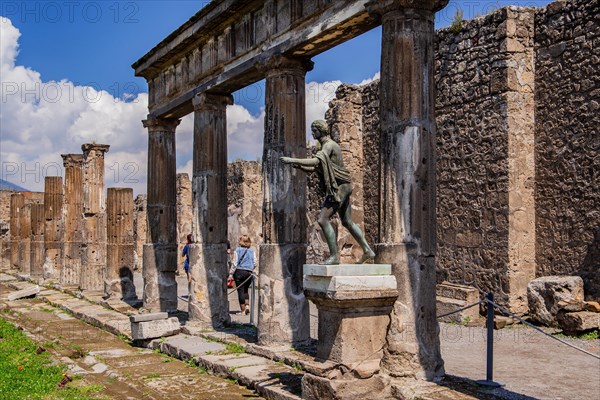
point(244, 262)
point(186, 253)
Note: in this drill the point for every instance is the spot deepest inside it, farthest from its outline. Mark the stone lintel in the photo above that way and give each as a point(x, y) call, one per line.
point(148, 317)
point(347, 269)
point(382, 7)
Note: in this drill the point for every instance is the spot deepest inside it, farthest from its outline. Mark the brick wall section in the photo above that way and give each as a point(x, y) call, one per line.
point(567, 156)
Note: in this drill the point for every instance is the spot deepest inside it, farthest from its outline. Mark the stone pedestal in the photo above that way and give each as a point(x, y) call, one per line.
point(160, 250)
point(37, 240)
point(119, 244)
point(93, 248)
point(53, 229)
point(73, 209)
point(208, 259)
point(354, 303)
point(283, 317)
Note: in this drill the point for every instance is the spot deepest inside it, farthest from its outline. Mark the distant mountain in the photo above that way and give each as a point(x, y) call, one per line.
point(5, 185)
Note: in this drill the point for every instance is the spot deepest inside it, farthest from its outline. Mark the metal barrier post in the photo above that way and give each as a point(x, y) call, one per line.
point(489, 371)
point(252, 301)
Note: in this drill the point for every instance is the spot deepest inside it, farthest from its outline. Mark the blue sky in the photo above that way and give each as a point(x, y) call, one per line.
point(84, 50)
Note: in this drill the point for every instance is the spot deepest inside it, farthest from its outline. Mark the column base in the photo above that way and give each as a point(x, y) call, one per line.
point(160, 286)
point(413, 343)
point(283, 317)
point(208, 301)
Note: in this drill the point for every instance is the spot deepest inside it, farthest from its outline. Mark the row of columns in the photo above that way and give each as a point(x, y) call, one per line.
point(69, 238)
point(407, 198)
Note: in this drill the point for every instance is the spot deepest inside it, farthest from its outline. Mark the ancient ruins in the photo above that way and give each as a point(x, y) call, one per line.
point(485, 181)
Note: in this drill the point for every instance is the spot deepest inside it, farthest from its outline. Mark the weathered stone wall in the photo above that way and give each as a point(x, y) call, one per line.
point(140, 229)
point(485, 145)
point(184, 213)
point(567, 36)
point(244, 199)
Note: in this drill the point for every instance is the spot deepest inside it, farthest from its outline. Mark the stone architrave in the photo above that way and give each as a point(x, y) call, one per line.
point(25, 240)
point(17, 201)
point(284, 315)
point(160, 250)
point(53, 229)
point(73, 209)
point(407, 188)
point(93, 247)
point(38, 219)
point(208, 301)
point(119, 244)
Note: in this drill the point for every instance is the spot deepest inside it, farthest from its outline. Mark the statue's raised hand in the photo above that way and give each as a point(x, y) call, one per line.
point(286, 160)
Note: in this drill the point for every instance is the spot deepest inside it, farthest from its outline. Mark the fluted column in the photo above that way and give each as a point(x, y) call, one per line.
point(25, 240)
point(93, 247)
point(160, 250)
point(283, 316)
point(73, 211)
point(208, 257)
point(407, 194)
point(38, 218)
point(53, 228)
point(119, 244)
point(16, 204)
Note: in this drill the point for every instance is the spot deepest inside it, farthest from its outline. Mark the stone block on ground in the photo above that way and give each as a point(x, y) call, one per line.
point(317, 388)
point(155, 329)
point(148, 317)
point(592, 306)
point(544, 295)
point(27, 292)
point(451, 297)
point(573, 323)
point(186, 347)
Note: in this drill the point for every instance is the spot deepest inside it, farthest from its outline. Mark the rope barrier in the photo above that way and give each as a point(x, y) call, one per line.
point(461, 309)
point(539, 330)
point(241, 284)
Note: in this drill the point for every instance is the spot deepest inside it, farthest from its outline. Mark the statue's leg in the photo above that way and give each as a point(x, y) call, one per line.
point(326, 212)
point(345, 212)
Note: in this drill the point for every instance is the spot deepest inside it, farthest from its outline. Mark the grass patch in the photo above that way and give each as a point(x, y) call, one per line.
point(234, 348)
point(27, 375)
point(48, 310)
point(591, 335)
point(152, 376)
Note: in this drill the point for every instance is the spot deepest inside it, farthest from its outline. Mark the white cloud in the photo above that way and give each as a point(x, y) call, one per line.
point(369, 80)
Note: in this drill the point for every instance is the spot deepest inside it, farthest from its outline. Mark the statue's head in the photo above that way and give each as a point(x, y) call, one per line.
point(319, 128)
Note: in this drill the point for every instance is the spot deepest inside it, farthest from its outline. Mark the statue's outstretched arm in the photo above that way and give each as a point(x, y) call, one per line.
point(306, 164)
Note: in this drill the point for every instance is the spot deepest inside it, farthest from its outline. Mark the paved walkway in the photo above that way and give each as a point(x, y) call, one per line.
point(530, 364)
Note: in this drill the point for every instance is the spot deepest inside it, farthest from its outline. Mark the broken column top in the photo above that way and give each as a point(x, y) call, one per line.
point(88, 147)
point(71, 160)
point(347, 269)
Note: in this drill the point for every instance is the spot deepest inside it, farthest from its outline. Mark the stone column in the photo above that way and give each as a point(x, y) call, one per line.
point(208, 258)
point(53, 229)
point(16, 204)
point(407, 190)
point(38, 218)
point(93, 247)
point(184, 213)
point(119, 244)
point(73, 210)
point(283, 317)
point(25, 240)
point(160, 250)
